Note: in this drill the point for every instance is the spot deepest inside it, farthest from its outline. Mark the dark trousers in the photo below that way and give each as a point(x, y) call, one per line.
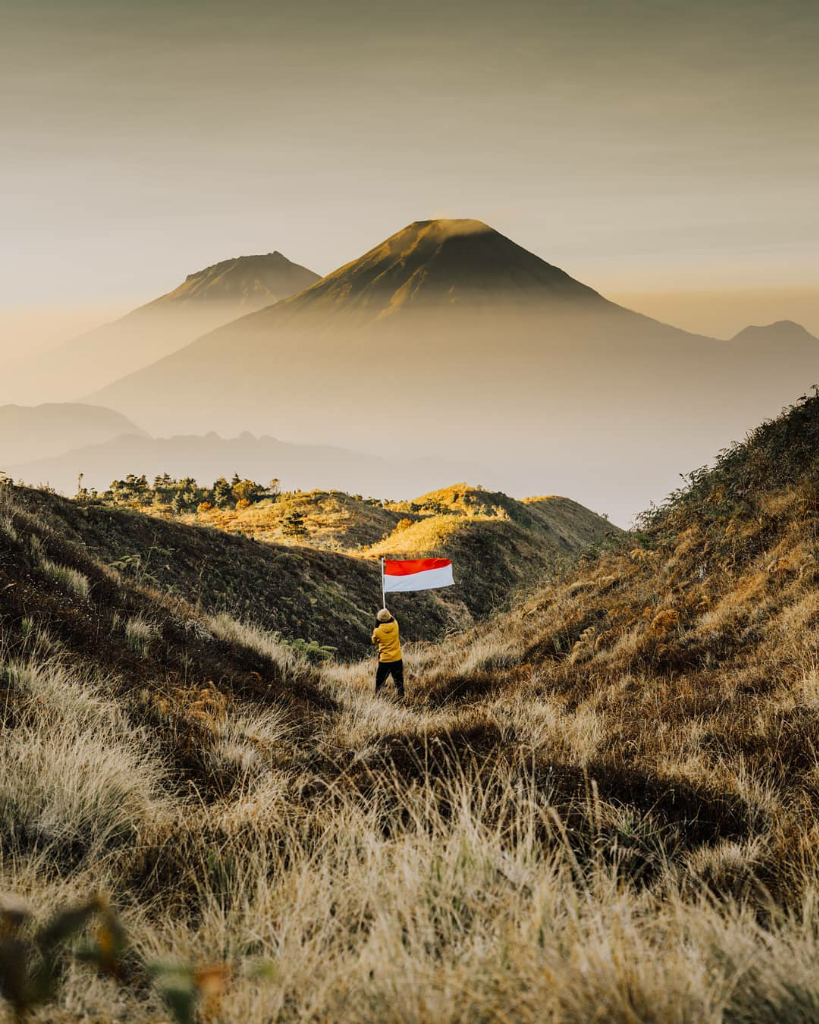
point(390, 668)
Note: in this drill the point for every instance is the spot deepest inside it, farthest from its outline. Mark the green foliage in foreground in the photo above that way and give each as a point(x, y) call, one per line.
point(32, 961)
point(30, 964)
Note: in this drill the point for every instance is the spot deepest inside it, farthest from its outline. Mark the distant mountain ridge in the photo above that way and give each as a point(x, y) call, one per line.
point(205, 300)
point(450, 338)
point(779, 331)
point(107, 458)
point(29, 433)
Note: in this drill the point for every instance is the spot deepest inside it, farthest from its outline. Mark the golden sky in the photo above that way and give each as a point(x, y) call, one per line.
point(651, 148)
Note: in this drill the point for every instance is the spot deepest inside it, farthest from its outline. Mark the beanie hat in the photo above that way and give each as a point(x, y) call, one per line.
point(383, 615)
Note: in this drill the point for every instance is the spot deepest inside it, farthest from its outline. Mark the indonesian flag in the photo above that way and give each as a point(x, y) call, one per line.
point(417, 574)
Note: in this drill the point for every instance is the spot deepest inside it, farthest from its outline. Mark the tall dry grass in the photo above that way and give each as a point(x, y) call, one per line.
point(75, 776)
point(455, 898)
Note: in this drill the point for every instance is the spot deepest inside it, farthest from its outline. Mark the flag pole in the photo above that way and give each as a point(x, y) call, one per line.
point(383, 592)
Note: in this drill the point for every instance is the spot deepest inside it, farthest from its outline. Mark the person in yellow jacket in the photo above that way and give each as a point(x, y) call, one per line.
point(390, 662)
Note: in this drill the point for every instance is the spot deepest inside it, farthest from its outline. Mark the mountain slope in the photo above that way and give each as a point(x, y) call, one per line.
point(42, 431)
point(439, 262)
point(205, 300)
point(710, 579)
point(448, 337)
point(679, 669)
point(246, 282)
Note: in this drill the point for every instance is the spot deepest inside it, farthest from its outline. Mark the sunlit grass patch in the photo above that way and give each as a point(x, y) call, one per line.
point(70, 579)
point(73, 773)
point(139, 633)
point(268, 644)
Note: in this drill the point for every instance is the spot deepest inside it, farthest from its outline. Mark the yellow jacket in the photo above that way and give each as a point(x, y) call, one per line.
point(386, 636)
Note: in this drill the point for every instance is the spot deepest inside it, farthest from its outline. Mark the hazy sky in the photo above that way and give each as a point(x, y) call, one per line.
point(650, 146)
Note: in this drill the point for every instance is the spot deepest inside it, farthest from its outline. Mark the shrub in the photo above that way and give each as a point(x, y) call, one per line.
point(312, 649)
point(293, 524)
point(221, 492)
point(665, 621)
point(247, 490)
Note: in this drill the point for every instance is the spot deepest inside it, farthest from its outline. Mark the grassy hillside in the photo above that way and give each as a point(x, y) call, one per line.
point(497, 543)
point(680, 670)
point(344, 522)
point(598, 806)
point(333, 520)
point(320, 596)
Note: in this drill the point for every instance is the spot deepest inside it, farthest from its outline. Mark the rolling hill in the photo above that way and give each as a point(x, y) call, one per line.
point(204, 300)
point(351, 523)
point(449, 337)
point(498, 544)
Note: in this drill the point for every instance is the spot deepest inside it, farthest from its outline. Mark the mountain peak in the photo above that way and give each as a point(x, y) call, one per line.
point(243, 264)
point(446, 227)
point(442, 262)
point(253, 281)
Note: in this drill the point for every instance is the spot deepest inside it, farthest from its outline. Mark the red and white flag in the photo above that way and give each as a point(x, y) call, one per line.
point(416, 574)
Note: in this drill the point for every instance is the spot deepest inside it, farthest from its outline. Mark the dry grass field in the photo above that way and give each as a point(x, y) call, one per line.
point(597, 806)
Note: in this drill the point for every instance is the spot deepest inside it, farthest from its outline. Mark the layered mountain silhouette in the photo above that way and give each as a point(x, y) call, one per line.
point(30, 433)
point(433, 281)
point(206, 299)
point(450, 338)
